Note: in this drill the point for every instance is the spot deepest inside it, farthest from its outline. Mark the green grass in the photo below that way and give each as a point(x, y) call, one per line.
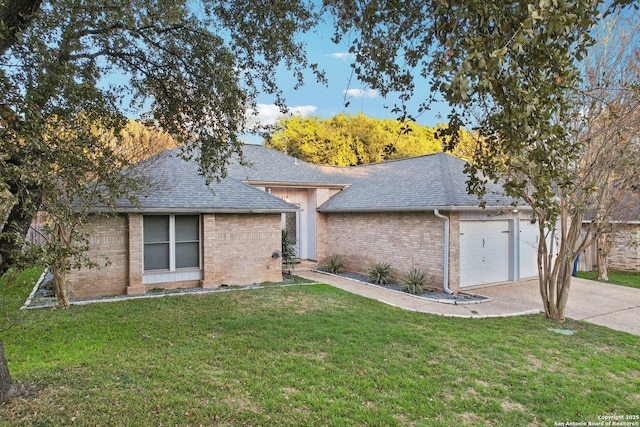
point(14, 289)
point(310, 355)
point(624, 278)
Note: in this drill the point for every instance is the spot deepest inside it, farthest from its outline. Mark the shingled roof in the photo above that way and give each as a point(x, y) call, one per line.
point(174, 185)
point(435, 181)
point(266, 165)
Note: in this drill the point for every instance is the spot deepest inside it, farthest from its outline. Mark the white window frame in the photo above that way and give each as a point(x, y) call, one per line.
point(173, 273)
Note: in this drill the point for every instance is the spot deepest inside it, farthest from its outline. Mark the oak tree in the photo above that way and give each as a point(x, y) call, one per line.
point(67, 67)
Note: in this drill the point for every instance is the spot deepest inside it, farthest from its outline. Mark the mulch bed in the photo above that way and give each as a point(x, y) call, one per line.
point(459, 298)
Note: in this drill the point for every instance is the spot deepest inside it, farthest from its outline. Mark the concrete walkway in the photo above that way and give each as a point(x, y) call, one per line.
point(616, 307)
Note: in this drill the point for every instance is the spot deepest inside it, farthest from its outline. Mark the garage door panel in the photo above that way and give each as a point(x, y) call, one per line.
point(529, 237)
point(484, 252)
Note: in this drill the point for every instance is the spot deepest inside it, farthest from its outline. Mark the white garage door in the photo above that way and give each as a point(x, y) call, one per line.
point(529, 238)
point(484, 252)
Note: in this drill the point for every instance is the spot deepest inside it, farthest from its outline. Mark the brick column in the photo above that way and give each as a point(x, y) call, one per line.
point(135, 285)
point(208, 247)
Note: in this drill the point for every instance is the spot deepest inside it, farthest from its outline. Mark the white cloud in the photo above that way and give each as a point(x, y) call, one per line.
point(343, 56)
point(304, 110)
point(269, 113)
point(361, 93)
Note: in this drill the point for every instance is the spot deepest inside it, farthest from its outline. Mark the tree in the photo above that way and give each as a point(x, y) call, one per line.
point(599, 164)
point(193, 69)
point(609, 131)
point(139, 141)
point(345, 140)
point(511, 71)
point(70, 67)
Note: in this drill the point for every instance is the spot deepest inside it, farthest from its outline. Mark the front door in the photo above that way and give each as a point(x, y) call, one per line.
point(301, 224)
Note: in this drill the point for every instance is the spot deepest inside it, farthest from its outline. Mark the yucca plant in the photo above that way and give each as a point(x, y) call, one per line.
point(413, 281)
point(333, 264)
point(288, 249)
point(380, 273)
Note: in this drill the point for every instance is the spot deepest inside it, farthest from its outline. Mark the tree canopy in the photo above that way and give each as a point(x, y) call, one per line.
point(71, 70)
point(347, 140)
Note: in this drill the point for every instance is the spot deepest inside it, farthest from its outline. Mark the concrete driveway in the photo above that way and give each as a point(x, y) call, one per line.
point(613, 306)
point(616, 307)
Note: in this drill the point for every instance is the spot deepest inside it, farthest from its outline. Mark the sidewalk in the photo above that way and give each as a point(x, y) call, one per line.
point(613, 306)
point(493, 308)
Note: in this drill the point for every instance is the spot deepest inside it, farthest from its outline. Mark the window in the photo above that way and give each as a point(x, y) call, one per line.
point(171, 242)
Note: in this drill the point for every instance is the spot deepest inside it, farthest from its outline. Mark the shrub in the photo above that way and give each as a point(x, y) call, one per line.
point(413, 281)
point(333, 264)
point(380, 273)
point(288, 249)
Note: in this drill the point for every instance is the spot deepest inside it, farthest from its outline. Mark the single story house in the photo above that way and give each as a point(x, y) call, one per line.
point(183, 233)
point(409, 213)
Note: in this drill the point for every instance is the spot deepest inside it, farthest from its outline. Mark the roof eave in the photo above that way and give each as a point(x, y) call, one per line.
point(420, 209)
point(181, 210)
point(285, 184)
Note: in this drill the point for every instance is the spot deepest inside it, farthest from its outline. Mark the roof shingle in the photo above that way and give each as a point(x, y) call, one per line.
point(174, 185)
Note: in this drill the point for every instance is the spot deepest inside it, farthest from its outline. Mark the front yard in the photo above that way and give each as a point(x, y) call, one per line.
point(624, 278)
point(310, 355)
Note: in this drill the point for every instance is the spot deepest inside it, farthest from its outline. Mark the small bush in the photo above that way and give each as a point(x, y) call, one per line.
point(413, 281)
point(288, 249)
point(380, 273)
point(333, 264)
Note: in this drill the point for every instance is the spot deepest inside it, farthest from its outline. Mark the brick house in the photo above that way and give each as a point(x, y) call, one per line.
point(625, 248)
point(624, 253)
point(183, 234)
point(410, 213)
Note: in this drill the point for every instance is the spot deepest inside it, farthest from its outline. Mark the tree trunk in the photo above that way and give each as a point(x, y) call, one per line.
point(603, 245)
point(555, 271)
point(60, 286)
point(7, 389)
point(59, 269)
point(554, 287)
point(563, 284)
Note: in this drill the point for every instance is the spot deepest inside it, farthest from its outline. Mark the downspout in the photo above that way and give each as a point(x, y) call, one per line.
point(445, 280)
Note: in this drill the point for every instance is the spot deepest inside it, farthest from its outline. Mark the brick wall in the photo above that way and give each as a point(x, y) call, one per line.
point(322, 250)
point(236, 250)
point(241, 248)
point(135, 285)
point(623, 255)
point(625, 249)
point(109, 241)
point(404, 240)
point(208, 251)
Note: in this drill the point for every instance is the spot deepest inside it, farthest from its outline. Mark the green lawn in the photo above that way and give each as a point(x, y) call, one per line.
point(625, 278)
point(14, 290)
point(310, 355)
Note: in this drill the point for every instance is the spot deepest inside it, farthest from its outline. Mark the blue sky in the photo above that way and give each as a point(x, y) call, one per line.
point(327, 101)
